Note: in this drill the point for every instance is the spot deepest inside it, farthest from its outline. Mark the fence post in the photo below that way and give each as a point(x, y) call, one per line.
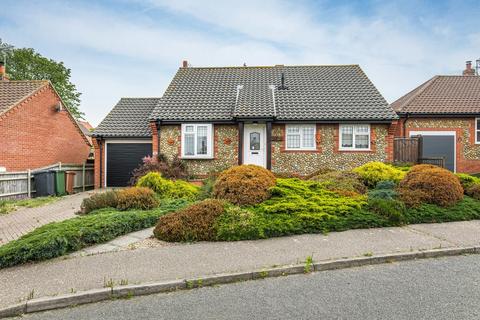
point(60, 166)
point(29, 183)
point(83, 176)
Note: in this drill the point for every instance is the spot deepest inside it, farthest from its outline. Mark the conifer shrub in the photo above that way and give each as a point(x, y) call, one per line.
point(244, 185)
point(374, 172)
point(107, 199)
point(167, 188)
point(392, 210)
point(474, 191)
point(341, 181)
point(193, 223)
point(433, 185)
point(136, 198)
point(467, 181)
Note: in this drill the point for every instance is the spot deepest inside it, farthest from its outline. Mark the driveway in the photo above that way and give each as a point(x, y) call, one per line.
point(17, 223)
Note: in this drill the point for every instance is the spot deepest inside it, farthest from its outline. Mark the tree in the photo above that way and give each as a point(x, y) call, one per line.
point(26, 64)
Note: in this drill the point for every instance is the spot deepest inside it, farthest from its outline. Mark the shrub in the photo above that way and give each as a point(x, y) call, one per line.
point(194, 223)
point(430, 185)
point(237, 224)
point(244, 185)
point(108, 199)
point(59, 238)
point(341, 181)
point(374, 172)
point(136, 198)
point(467, 180)
point(393, 210)
point(295, 196)
point(168, 188)
point(184, 189)
point(383, 190)
point(174, 169)
point(155, 182)
point(474, 191)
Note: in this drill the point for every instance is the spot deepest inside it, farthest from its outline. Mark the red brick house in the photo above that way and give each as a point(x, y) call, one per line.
point(445, 111)
point(35, 127)
point(289, 119)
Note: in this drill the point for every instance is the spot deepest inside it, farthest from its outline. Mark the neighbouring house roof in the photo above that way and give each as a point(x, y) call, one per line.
point(86, 125)
point(14, 92)
point(323, 93)
point(129, 118)
point(448, 95)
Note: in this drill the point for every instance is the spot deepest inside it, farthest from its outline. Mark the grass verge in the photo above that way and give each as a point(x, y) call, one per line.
point(7, 206)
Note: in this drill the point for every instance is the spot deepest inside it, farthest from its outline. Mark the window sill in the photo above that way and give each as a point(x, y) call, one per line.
point(197, 158)
point(355, 150)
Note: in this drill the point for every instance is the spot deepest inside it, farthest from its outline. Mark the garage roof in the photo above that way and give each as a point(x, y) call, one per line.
point(442, 95)
point(129, 118)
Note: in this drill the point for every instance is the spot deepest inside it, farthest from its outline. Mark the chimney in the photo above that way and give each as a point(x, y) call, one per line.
point(185, 64)
point(469, 71)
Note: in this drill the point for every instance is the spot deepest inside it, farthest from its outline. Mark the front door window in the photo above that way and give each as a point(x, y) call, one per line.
point(255, 141)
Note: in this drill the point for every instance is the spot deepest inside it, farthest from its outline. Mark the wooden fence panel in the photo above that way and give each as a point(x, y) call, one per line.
point(16, 185)
point(406, 150)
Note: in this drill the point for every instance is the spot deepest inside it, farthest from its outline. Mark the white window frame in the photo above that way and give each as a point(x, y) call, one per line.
point(302, 147)
point(209, 154)
point(353, 148)
point(477, 129)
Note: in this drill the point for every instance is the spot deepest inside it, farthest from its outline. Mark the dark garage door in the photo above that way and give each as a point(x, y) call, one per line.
point(122, 158)
point(440, 146)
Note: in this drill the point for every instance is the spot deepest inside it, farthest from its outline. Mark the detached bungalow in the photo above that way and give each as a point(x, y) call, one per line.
point(445, 111)
point(290, 119)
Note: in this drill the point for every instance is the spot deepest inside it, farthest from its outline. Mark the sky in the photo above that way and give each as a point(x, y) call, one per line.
point(132, 48)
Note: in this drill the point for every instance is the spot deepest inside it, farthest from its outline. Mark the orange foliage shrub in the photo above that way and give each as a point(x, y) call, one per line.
point(136, 198)
point(193, 223)
point(244, 185)
point(430, 184)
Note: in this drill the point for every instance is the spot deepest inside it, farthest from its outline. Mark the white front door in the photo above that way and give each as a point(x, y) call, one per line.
point(254, 144)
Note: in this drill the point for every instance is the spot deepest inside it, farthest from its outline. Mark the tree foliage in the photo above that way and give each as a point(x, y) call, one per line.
point(27, 64)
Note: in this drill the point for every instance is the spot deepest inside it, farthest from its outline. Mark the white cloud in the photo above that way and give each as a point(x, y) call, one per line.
point(114, 53)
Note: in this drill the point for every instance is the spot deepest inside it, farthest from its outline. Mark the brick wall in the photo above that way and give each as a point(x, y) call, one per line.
point(467, 152)
point(327, 154)
point(33, 134)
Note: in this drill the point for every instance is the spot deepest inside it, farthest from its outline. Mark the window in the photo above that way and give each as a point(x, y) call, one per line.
point(477, 130)
point(197, 140)
point(300, 137)
point(355, 137)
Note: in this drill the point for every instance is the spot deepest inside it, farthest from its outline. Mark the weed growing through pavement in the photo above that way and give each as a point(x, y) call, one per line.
point(308, 264)
point(124, 282)
point(31, 294)
point(368, 254)
point(108, 283)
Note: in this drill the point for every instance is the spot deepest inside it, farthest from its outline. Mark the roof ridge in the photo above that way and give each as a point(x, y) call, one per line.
point(274, 66)
point(415, 93)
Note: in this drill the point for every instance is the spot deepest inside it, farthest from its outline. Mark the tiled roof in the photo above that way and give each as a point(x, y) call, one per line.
point(13, 92)
point(442, 95)
point(314, 93)
point(129, 118)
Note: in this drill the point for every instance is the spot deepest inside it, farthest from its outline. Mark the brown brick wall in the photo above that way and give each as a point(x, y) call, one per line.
point(33, 134)
point(467, 152)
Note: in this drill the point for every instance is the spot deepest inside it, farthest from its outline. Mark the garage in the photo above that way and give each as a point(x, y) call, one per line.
point(122, 158)
point(438, 144)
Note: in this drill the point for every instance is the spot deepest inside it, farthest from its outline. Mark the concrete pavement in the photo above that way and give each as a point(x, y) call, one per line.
point(17, 223)
point(175, 261)
point(443, 288)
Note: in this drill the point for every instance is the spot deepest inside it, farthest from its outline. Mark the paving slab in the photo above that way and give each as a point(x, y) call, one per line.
point(465, 233)
point(175, 261)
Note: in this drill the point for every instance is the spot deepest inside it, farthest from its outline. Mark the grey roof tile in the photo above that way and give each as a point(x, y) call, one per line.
point(129, 118)
point(314, 93)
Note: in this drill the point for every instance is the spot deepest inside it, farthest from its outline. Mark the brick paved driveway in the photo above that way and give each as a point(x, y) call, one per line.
point(24, 220)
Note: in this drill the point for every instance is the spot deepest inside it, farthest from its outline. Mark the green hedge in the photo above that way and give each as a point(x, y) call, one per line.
point(59, 238)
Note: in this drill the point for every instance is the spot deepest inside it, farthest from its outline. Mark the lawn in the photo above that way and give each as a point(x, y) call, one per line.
point(7, 206)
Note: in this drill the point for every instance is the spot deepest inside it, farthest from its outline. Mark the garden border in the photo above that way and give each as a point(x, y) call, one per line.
point(127, 291)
